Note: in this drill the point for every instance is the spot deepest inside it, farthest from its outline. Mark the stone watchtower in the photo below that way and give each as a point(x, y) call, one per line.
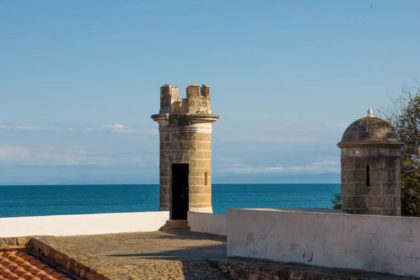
point(185, 128)
point(370, 167)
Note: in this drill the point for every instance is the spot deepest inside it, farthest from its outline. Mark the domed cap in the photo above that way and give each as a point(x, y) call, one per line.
point(370, 130)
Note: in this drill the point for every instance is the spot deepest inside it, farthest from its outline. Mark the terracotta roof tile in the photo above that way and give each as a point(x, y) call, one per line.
point(17, 264)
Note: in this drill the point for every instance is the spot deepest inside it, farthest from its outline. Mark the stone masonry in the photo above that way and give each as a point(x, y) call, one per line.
point(185, 128)
point(370, 168)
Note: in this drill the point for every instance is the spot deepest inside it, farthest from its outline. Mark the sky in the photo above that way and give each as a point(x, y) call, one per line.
point(80, 79)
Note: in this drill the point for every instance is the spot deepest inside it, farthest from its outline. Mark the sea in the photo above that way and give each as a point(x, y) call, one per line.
point(16, 201)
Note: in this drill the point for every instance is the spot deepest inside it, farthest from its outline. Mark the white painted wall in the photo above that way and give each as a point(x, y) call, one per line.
point(65, 225)
point(371, 243)
point(207, 223)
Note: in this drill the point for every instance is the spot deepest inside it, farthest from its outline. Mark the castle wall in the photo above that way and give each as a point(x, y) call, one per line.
point(339, 240)
point(379, 196)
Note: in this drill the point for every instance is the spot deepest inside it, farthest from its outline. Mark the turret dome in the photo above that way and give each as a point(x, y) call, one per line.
point(370, 130)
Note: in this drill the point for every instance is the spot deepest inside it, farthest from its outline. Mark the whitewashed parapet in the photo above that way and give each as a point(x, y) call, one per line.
point(367, 242)
point(67, 225)
point(207, 223)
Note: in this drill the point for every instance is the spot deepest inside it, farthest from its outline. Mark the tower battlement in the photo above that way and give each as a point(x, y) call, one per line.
point(197, 100)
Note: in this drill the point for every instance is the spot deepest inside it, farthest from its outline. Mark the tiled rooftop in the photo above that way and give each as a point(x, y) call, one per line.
point(17, 264)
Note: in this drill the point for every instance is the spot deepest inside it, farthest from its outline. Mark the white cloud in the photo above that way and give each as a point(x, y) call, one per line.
point(114, 126)
point(311, 168)
point(67, 128)
point(12, 126)
point(75, 145)
point(325, 163)
point(280, 132)
point(67, 155)
point(78, 155)
point(14, 152)
point(118, 128)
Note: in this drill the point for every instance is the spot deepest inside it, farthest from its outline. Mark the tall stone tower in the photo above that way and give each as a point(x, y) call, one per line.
point(370, 167)
point(185, 128)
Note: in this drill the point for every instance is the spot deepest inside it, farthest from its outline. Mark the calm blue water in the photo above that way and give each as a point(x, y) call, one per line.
point(82, 199)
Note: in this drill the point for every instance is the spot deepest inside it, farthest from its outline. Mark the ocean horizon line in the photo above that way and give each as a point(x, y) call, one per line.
point(41, 200)
point(157, 184)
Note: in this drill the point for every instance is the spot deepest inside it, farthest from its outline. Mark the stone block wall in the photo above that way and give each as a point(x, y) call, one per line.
point(371, 180)
point(193, 148)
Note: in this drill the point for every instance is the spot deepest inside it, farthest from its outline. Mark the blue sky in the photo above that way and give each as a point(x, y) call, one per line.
point(80, 79)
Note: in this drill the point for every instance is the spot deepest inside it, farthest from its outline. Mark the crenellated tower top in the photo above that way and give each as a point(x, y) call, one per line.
point(197, 100)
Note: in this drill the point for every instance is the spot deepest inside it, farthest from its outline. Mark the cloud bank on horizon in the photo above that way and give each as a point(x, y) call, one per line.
point(98, 154)
point(79, 81)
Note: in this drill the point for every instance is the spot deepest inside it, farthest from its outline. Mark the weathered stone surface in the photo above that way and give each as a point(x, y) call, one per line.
point(185, 137)
point(240, 268)
point(370, 164)
point(376, 202)
point(370, 129)
point(14, 241)
point(357, 202)
point(153, 255)
point(347, 163)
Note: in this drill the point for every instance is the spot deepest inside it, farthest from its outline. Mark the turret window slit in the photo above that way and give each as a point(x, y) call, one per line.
point(368, 175)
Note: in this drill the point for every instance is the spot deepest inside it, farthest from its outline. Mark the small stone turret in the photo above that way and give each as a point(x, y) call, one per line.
point(370, 167)
point(185, 128)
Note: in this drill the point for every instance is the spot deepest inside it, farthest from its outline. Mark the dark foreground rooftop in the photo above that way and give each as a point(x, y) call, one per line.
point(154, 255)
point(160, 255)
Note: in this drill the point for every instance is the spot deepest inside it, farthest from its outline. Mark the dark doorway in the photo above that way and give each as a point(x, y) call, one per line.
point(179, 191)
